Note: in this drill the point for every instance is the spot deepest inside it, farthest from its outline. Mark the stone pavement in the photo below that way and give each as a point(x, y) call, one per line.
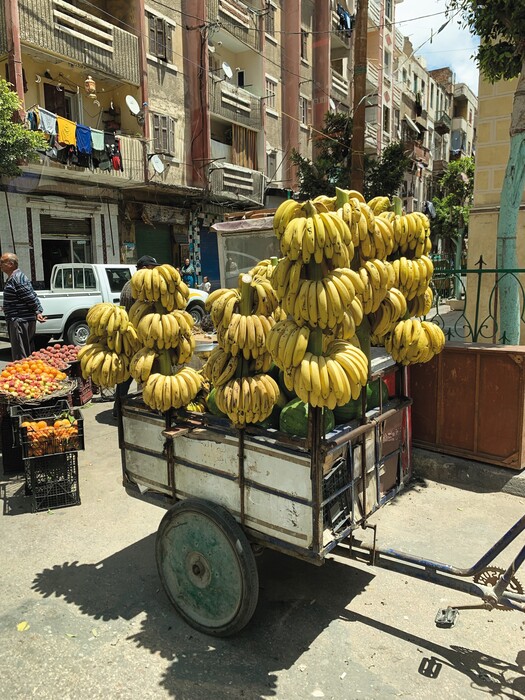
point(84, 580)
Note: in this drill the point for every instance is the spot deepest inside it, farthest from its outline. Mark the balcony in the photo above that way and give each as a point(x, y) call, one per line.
point(234, 104)
point(443, 123)
point(340, 85)
point(372, 76)
point(132, 161)
point(374, 15)
point(417, 152)
point(439, 166)
point(396, 95)
point(232, 182)
point(236, 21)
point(340, 37)
point(371, 145)
point(83, 39)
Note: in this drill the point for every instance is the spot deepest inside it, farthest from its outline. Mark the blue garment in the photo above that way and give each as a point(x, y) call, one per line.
point(20, 300)
point(83, 136)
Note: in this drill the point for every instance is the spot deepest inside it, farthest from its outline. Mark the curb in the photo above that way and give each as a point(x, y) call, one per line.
point(460, 472)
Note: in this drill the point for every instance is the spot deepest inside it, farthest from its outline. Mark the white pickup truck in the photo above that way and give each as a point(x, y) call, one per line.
point(75, 287)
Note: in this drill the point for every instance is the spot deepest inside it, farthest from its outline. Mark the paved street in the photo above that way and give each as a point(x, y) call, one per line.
point(100, 626)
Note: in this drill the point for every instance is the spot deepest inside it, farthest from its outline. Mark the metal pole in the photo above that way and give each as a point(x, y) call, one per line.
point(357, 177)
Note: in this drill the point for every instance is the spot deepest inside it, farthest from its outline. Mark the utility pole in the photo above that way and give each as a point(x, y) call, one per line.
point(358, 129)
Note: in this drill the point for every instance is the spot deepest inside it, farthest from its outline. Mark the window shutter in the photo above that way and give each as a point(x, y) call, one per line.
point(161, 38)
point(156, 132)
point(152, 36)
point(171, 139)
point(169, 43)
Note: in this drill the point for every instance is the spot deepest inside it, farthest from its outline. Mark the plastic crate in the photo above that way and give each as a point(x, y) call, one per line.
point(12, 462)
point(51, 440)
point(83, 393)
point(52, 481)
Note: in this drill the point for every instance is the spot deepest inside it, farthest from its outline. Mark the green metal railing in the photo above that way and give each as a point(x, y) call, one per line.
point(466, 301)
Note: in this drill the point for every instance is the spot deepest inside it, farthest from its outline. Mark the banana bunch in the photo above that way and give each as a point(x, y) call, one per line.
point(413, 341)
point(265, 299)
point(317, 237)
point(287, 343)
point(162, 283)
point(285, 212)
point(412, 277)
point(379, 205)
point(162, 392)
point(323, 302)
point(247, 399)
point(350, 213)
point(412, 234)
point(220, 366)
point(106, 319)
point(197, 406)
point(376, 234)
point(331, 379)
point(105, 367)
point(263, 270)
point(324, 203)
point(377, 277)
point(245, 335)
point(391, 310)
point(421, 305)
point(165, 330)
point(126, 342)
point(223, 303)
point(141, 364)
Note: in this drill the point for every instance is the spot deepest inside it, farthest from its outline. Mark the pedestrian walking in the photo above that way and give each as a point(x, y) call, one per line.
point(205, 285)
point(188, 274)
point(22, 308)
point(126, 300)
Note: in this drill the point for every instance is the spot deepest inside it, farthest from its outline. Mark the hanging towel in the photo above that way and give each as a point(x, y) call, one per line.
point(48, 121)
point(83, 135)
point(66, 131)
point(97, 139)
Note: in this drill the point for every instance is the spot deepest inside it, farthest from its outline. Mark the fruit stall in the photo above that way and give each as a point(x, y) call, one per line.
point(41, 428)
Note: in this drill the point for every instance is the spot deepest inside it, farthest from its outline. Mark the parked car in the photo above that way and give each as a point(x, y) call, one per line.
point(75, 287)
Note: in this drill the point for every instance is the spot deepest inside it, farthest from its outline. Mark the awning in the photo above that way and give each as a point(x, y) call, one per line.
point(411, 124)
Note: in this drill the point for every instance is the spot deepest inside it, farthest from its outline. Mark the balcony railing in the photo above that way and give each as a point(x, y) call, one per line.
point(63, 29)
point(418, 152)
point(439, 165)
point(374, 14)
point(340, 84)
point(234, 104)
point(397, 95)
point(132, 152)
point(235, 183)
point(372, 75)
point(339, 36)
point(443, 123)
point(234, 18)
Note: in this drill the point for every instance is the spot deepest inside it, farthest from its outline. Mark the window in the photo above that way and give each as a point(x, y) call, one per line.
point(269, 19)
point(271, 93)
point(386, 120)
point(388, 9)
point(117, 278)
point(387, 62)
point(415, 84)
point(469, 152)
point(304, 44)
point(431, 96)
point(470, 116)
point(405, 76)
point(164, 133)
point(271, 165)
point(422, 86)
point(303, 110)
point(159, 37)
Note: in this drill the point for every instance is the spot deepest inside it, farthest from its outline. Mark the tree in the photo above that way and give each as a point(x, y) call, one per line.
point(384, 175)
point(500, 24)
point(332, 165)
point(17, 144)
point(452, 203)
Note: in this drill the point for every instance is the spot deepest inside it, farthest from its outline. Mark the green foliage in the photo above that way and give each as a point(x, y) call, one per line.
point(500, 24)
point(454, 199)
point(384, 175)
point(332, 166)
point(17, 144)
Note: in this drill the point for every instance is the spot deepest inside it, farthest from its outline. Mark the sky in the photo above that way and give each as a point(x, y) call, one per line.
point(452, 47)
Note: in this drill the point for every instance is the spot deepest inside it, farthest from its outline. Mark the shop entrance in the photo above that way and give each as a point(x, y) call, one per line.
point(64, 241)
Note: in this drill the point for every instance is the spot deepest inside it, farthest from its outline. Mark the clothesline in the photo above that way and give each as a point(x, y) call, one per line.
point(76, 144)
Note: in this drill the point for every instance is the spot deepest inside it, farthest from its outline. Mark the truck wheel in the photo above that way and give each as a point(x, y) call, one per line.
point(77, 333)
point(207, 567)
point(197, 313)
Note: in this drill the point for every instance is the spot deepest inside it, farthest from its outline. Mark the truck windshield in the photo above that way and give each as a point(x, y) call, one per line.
point(117, 278)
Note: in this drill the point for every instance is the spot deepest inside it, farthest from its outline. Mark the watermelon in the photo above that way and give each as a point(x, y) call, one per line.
point(294, 418)
point(352, 409)
point(273, 419)
point(373, 401)
point(212, 404)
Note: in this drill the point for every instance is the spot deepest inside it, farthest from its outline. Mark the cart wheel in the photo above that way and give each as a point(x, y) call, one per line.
point(207, 567)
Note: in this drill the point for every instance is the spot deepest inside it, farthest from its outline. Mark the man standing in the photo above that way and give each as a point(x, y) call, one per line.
point(188, 273)
point(126, 300)
point(22, 308)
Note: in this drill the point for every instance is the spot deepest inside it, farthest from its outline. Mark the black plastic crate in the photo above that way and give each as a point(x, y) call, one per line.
point(12, 462)
point(52, 481)
point(55, 439)
point(337, 497)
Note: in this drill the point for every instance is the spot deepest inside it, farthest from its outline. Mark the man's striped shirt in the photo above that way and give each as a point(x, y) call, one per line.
point(20, 299)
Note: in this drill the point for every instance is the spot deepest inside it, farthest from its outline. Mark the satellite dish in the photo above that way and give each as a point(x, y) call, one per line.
point(227, 70)
point(158, 165)
point(332, 105)
point(133, 105)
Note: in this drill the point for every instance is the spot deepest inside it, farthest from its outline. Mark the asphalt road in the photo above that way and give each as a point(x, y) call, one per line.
point(99, 625)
